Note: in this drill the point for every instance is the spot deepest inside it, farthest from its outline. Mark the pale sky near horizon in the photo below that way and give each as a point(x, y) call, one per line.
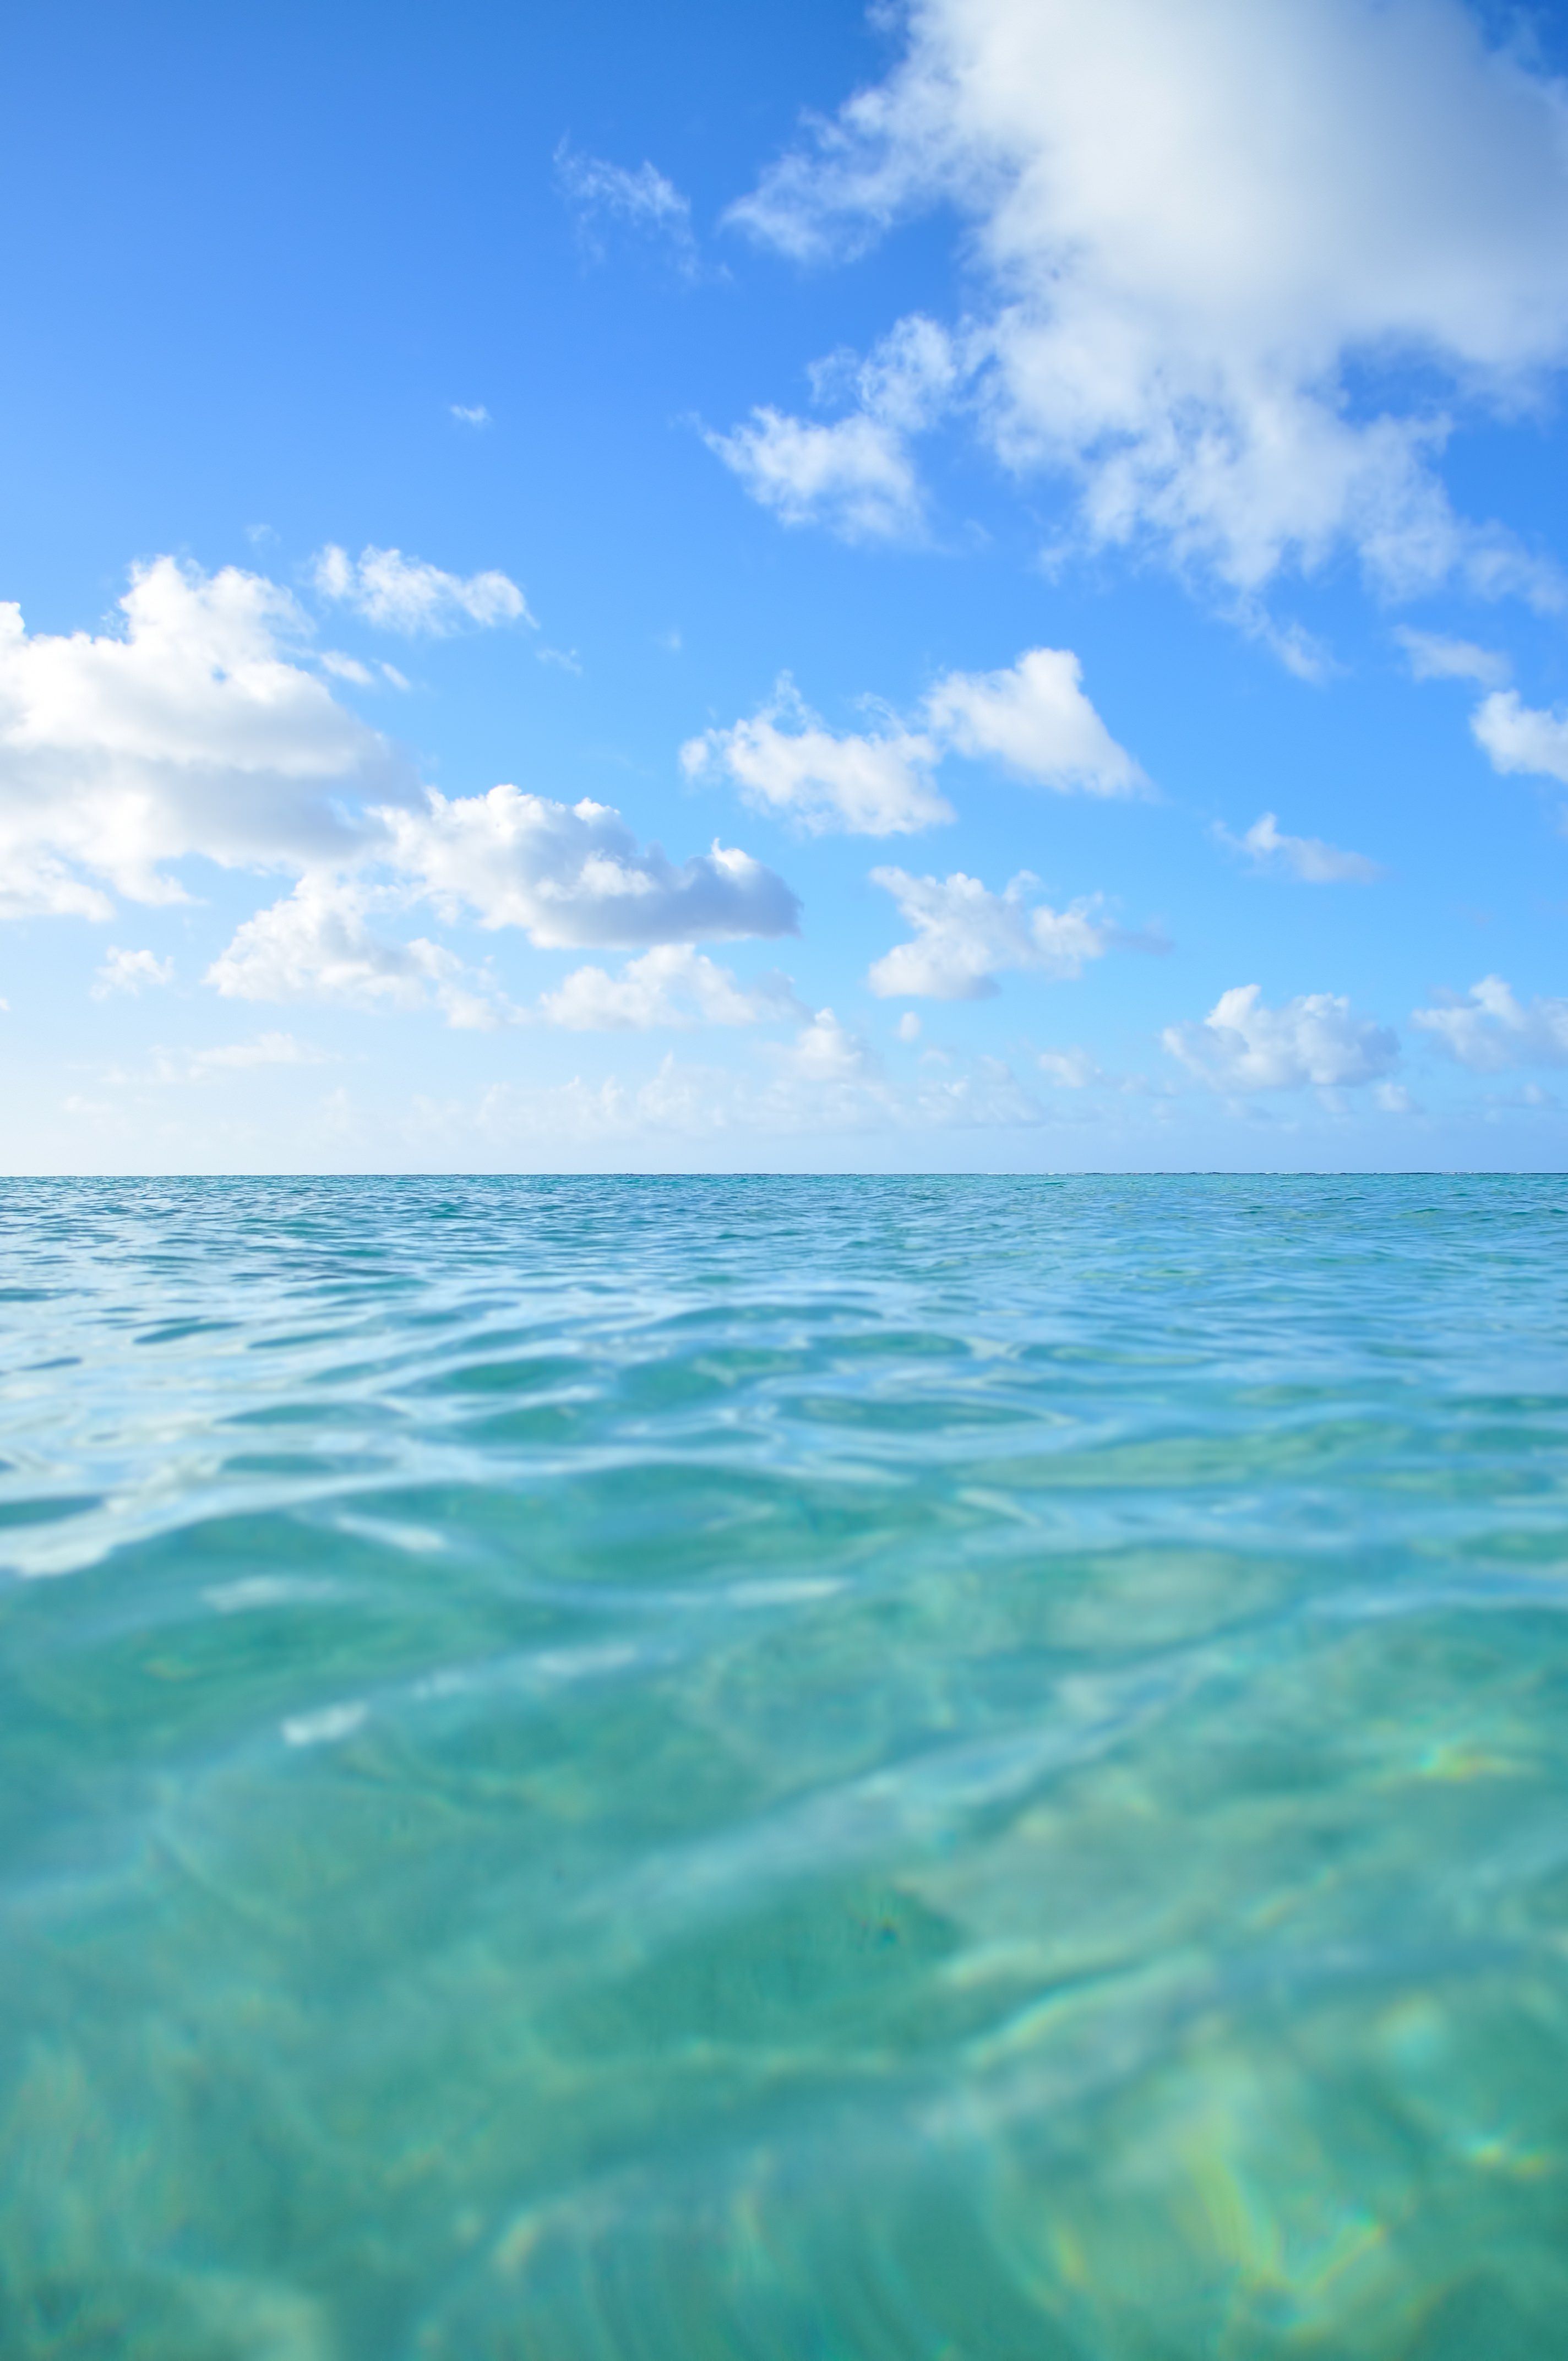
point(981, 584)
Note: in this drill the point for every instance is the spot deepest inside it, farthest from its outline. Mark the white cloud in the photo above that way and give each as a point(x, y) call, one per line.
point(1035, 720)
point(178, 1069)
point(1433, 657)
point(316, 945)
point(574, 876)
point(644, 199)
point(854, 475)
point(966, 936)
point(866, 785)
point(1522, 737)
point(1070, 1069)
point(267, 1049)
point(471, 414)
point(1189, 228)
point(674, 984)
point(1032, 717)
point(405, 594)
point(188, 730)
point(1304, 857)
point(826, 1082)
point(130, 972)
point(1493, 1030)
point(1243, 1046)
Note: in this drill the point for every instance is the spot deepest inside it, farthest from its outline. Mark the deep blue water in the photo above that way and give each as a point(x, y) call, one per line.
point(783, 1770)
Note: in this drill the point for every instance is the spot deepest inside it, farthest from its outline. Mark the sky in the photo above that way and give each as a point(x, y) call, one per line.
point(975, 585)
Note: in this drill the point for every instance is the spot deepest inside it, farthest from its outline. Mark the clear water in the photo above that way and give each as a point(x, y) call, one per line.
point(784, 1770)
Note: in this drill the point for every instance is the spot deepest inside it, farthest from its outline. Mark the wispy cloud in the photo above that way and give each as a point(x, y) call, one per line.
point(1305, 858)
point(408, 594)
point(642, 200)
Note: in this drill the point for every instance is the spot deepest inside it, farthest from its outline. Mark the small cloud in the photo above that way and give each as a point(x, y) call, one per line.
point(672, 985)
point(1394, 1099)
point(909, 1027)
point(267, 1049)
point(406, 594)
point(669, 640)
point(1522, 738)
point(870, 786)
point(1243, 1046)
point(564, 659)
point(478, 415)
point(342, 667)
point(964, 936)
point(643, 200)
point(1492, 1030)
point(260, 536)
point(1307, 858)
point(1034, 719)
point(1070, 1069)
point(130, 972)
point(1433, 657)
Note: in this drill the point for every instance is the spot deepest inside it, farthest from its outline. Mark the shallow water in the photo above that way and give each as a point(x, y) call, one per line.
point(783, 1770)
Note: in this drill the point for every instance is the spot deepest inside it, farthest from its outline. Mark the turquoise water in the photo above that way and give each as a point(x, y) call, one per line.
point(783, 1770)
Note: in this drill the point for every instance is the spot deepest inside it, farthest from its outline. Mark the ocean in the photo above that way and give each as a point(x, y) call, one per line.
point(784, 1769)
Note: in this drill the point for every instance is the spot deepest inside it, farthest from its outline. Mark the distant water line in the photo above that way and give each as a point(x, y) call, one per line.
point(795, 1769)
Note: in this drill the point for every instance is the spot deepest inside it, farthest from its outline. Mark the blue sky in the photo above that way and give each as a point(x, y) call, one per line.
point(981, 586)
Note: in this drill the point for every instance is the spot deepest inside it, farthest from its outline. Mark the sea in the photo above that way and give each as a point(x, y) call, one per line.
point(784, 1769)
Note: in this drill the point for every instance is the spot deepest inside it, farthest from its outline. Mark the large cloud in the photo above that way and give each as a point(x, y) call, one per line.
point(1200, 236)
point(198, 729)
point(195, 729)
point(1242, 1044)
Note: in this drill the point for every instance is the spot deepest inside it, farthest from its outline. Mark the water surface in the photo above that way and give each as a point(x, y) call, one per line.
point(783, 1770)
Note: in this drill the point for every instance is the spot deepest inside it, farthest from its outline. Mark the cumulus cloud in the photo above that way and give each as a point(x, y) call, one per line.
point(572, 876)
point(1034, 719)
point(130, 972)
point(671, 985)
point(1243, 1046)
point(1522, 737)
point(1491, 1031)
point(190, 728)
point(964, 936)
point(1307, 858)
point(642, 200)
point(470, 413)
point(783, 760)
point(854, 474)
point(1433, 657)
point(316, 945)
point(405, 594)
point(1190, 229)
